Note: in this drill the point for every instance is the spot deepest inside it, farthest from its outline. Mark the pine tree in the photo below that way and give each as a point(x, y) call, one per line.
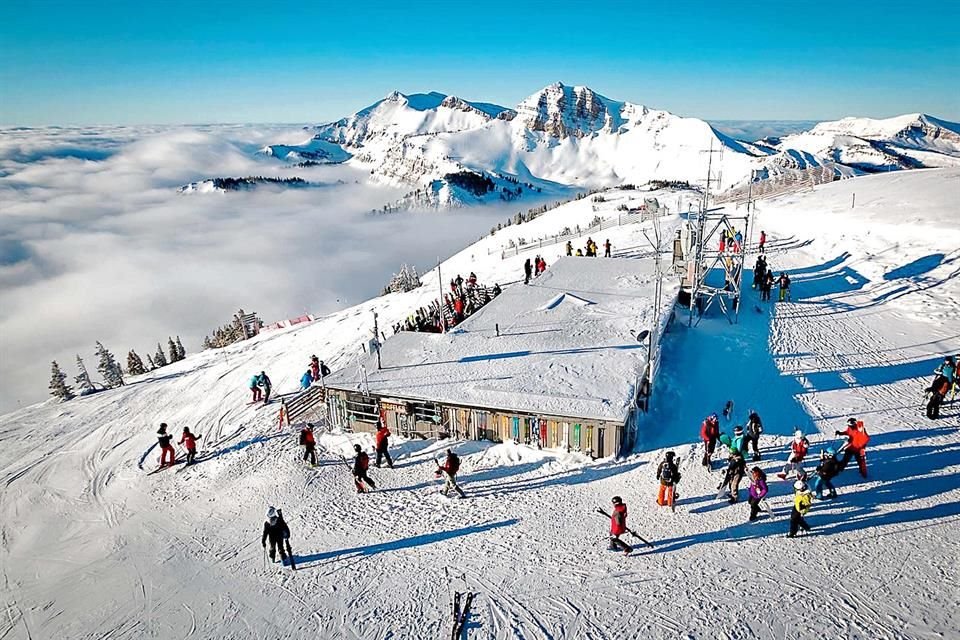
point(58, 383)
point(172, 350)
point(83, 379)
point(158, 358)
point(181, 352)
point(150, 362)
point(108, 367)
point(134, 364)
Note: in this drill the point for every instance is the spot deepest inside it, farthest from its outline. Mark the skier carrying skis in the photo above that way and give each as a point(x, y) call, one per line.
point(754, 429)
point(190, 441)
point(360, 465)
point(263, 381)
point(309, 444)
point(164, 438)
point(275, 530)
point(856, 446)
point(383, 443)
point(798, 451)
point(758, 491)
point(827, 470)
point(709, 432)
point(669, 476)
point(255, 388)
point(802, 499)
point(449, 470)
point(618, 527)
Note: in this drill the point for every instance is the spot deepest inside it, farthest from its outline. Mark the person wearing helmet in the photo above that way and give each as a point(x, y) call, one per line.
point(736, 468)
point(758, 491)
point(827, 470)
point(802, 499)
point(166, 449)
point(618, 527)
point(784, 282)
point(669, 475)
point(263, 381)
point(856, 446)
point(361, 463)
point(752, 438)
point(936, 392)
point(448, 470)
point(275, 530)
point(798, 451)
point(190, 441)
point(709, 433)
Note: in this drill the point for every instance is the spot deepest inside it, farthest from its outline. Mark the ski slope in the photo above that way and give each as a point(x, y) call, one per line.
point(91, 546)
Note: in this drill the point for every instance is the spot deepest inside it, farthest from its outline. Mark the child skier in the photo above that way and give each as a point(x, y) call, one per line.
point(309, 444)
point(669, 475)
point(798, 451)
point(618, 527)
point(360, 465)
point(828, 468)
point(255, 388)
point(709, 432)
point(856, 446)
point(449, 470)
point(163, 439)
point(275, 530)
point(802, 499)
point(190, 441)
point(758, 491)
point(383, 444)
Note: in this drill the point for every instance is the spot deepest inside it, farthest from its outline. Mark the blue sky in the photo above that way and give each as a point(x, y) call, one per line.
point(196, 62)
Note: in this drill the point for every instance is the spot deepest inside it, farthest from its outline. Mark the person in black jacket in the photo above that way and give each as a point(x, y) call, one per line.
point(275, 530)
point(754, 429)
point(827, 470)
point(163, 439)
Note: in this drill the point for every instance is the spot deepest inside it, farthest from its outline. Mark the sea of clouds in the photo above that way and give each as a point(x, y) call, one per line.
point(97, 244)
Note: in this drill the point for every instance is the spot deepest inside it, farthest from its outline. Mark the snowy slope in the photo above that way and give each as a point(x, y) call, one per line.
point(91, 546)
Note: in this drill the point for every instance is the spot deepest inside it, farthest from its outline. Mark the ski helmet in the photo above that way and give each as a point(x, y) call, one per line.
point(852, 422)
point(713, 417)
point(356, 448)
point(798, 435)
point(799, 485)
point(670, 455)
point(271, 514)
point(738, 430)
point(831, 451)
point(617, 500)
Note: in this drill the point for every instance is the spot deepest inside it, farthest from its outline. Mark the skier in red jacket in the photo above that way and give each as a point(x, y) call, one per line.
point(856, 446)
point(190, 441)
point(618, 527)
point(309, 444)
point(360, 465)
point(709, 432)
point(383, 442)
point(449, 470)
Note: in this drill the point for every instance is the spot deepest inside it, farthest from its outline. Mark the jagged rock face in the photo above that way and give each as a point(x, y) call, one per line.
point(923, 129)
point(564, 112)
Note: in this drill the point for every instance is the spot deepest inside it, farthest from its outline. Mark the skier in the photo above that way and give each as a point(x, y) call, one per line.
point(360, 465)
point(736, 468)
point(449, 470)
point(618, 527)
point(606, 248)
point(947, 369)
point(255, 388)
point(856, 446)
point(569, 248)
point(767, 286)
point(383, 442)
point(763, 241)
point(276, 530)
point(164, 438)
point(802, 499)
point(306, 379)
point(759, 271)
point(314, 367)
point(263, 381)
point(527, 271)
point(541, 265)
point(828, 468)
point(798, 451)
point(190, 441)
point(784, 283)
point(709, 432)
point(754, 429)
point(938, 391)
point(758, 491)
point(309, 444)
point(669, 476)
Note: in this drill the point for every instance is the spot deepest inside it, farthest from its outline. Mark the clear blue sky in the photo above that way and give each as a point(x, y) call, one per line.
point(143, 61)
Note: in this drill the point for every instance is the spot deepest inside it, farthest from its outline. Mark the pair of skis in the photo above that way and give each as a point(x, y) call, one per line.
point(461, 612)
point(630, 531)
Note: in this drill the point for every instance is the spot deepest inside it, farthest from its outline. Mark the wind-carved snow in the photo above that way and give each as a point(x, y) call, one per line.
point(565, 297)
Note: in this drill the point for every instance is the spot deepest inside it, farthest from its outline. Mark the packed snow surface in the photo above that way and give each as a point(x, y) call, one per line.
point(91, 546)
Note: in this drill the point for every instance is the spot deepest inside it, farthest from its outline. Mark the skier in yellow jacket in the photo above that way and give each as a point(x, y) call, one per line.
point(802, 499)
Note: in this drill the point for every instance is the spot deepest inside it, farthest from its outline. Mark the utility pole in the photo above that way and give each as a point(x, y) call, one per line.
point(443, 320)
point(376, 339)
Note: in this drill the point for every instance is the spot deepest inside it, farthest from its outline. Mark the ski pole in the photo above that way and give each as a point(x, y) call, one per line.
point(264, 557)
point(630, 531)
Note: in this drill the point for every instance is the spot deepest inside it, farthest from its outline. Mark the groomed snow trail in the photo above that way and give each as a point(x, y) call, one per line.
point(93, 547)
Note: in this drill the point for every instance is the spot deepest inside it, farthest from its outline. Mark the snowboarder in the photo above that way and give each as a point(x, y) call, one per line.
point(802, 499)
point(856, 446)
point(828, 468)
point(754, 429)
point(758, 491)
point(360, 465)
point(763, 241)
point(669, 476)
point(306, 379)
point(618, 527)
point(527, 271)
point(449, 470)
point(263, 381)
point(569, 248)
point(164, 438)
point(784, 284)
point(275, 530)
point(190, 441)
point(736, 468)
point(798, 451)
point(709, 432)
point(309, 444)
point(606, 248)
point(255, 389)
point(383, 444)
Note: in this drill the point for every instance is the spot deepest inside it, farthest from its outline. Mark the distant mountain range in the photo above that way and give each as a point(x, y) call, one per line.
point(452, 151)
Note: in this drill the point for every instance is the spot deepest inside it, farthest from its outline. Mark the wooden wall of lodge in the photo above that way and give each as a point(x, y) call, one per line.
point(594, 437)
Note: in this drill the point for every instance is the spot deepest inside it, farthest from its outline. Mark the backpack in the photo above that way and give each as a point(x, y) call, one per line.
point(666, 473)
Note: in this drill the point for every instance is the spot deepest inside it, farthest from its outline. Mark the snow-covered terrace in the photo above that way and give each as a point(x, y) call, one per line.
point(563, 346)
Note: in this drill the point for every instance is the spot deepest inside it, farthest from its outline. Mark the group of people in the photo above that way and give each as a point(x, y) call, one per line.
point(168, 456)
point(317, 371)
point(466, 297)
point(260, 387)
point(731, 240)
point(590, 250)
point(763, 279)
point(533, 268)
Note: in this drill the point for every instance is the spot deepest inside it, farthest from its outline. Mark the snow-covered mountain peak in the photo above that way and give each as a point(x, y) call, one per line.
point(562, 111)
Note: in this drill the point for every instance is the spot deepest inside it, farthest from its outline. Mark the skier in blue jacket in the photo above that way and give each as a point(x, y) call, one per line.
point(306, 380)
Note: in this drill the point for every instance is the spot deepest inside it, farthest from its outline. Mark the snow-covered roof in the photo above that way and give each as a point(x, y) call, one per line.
point(566, 346)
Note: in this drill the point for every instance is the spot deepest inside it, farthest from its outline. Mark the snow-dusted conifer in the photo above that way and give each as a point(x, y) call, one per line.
point(58, 383)
point(134, 364)
point(108, 367)
point(181, 352)
point(151, 363)
point(158, 358)
point(83, 378)
point(172, 350)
